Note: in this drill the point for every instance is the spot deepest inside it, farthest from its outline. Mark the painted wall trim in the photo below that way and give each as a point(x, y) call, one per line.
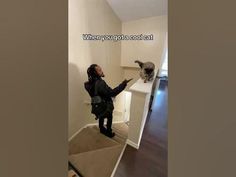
point(131, 143)
point(118, 161)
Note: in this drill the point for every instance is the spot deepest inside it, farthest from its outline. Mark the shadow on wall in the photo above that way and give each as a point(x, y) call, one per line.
point(77, 108)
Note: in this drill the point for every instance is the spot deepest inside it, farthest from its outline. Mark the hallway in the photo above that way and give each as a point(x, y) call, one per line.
point(151, 158)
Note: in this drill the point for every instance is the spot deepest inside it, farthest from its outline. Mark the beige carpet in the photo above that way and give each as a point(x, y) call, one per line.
point(94, 154)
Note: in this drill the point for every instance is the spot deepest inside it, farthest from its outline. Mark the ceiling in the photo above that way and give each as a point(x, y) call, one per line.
point(128, 10)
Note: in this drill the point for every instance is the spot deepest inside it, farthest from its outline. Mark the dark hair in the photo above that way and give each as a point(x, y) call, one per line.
point(92, 73)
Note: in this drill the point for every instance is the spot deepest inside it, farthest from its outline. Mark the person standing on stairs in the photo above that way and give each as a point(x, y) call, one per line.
point(96, 86)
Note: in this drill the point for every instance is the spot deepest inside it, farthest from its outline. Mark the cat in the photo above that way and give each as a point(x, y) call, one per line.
point(147, 70)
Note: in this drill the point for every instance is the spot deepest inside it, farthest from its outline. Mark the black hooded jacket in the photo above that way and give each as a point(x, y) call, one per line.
point(103, 90)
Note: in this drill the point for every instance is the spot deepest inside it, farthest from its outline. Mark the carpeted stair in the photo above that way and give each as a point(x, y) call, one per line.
point(94, 154)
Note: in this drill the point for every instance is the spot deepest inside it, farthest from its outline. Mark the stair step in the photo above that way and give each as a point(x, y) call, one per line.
point(88, 140)
point(99, 163)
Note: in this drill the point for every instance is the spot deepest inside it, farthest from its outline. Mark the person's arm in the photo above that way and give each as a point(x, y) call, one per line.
point(104, 89)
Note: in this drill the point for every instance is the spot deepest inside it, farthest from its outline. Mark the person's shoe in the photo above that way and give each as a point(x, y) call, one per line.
point(110, 134)
point(103, 131)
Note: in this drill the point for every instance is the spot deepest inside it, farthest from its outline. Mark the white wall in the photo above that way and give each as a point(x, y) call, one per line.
point(144, 50)
point(95, 17)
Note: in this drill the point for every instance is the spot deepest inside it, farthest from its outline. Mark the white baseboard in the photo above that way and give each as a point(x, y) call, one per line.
point(131, 143)
point(118, 161)
point(114, 122)
point(87, 125)
point(76, 133)
point(117, 122)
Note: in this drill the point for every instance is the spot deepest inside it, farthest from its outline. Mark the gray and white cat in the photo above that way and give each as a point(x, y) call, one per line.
point(147, 70)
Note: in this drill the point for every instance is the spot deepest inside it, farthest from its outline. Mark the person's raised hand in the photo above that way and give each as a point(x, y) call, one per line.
point(127, 81)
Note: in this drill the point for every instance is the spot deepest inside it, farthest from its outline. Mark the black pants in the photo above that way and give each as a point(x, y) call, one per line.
point(109, 122)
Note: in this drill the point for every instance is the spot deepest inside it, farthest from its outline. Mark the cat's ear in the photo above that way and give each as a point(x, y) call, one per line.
point(139, 63)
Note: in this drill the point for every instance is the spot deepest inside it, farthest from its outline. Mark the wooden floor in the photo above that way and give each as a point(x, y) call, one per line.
point(151, 158)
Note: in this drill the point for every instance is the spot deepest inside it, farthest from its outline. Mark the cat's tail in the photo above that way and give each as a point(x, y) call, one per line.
point(139, 63)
